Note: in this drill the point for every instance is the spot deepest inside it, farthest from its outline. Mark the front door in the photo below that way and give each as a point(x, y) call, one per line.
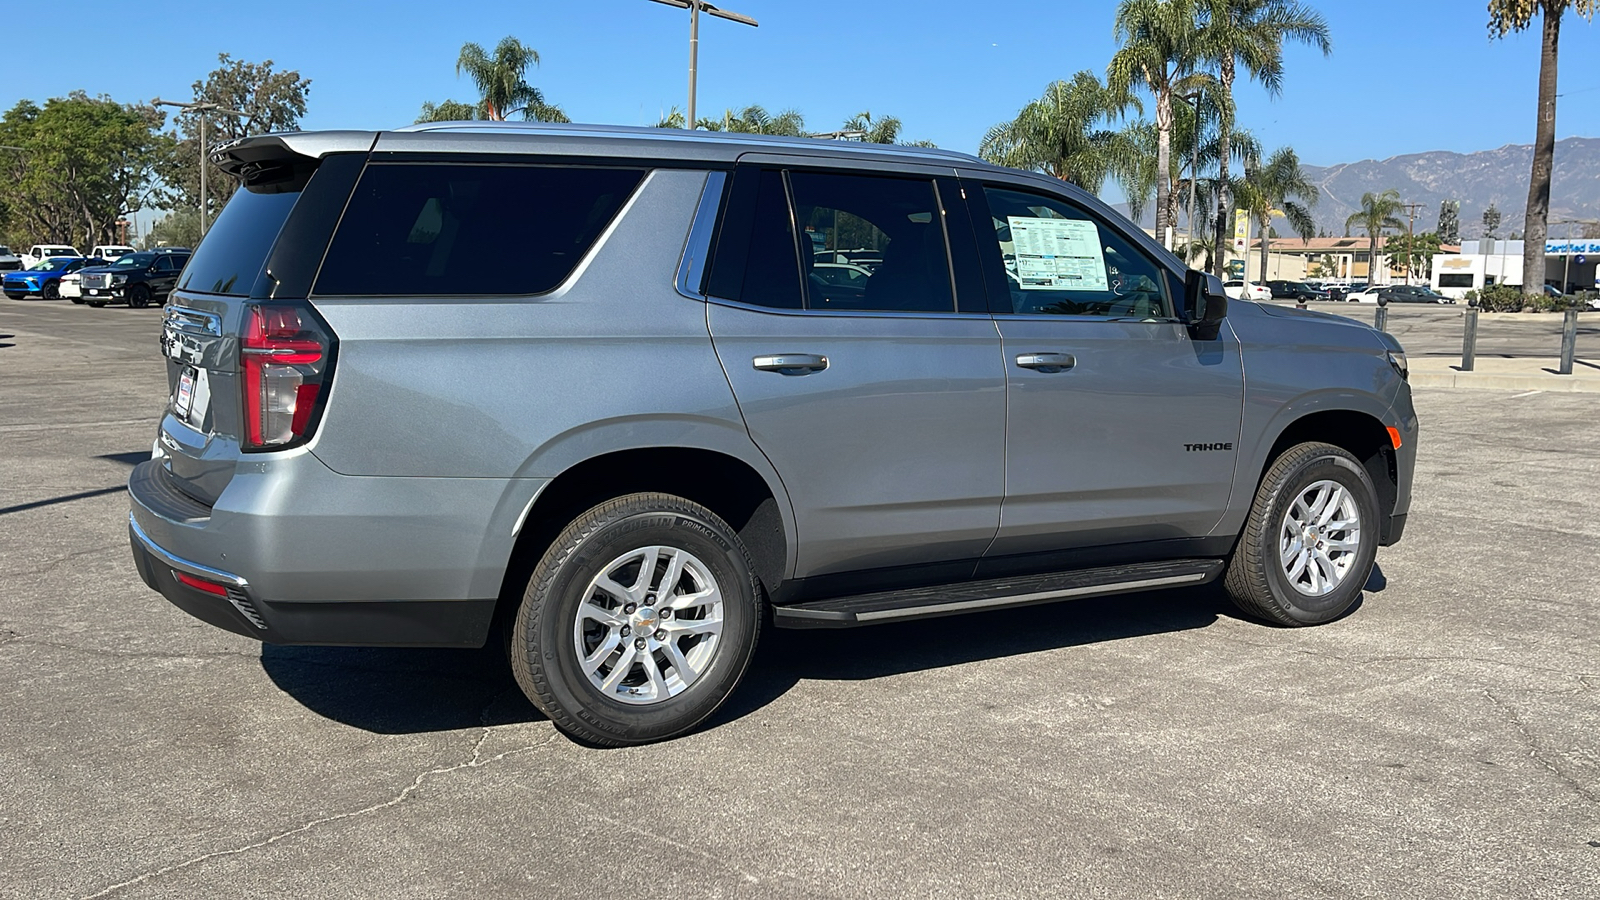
point(880, 404)
point(1119, 427)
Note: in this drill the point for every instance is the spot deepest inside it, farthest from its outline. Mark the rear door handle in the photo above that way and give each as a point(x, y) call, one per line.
point(1046, 362)
point(791, 363)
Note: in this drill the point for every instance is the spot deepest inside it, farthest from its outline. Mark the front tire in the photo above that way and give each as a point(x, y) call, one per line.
point(1310, 540)
point(52, 292)
point(138, 296)
point(638, 622)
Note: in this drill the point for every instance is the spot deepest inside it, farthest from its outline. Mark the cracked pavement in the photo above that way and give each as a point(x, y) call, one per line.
point(1439, 742)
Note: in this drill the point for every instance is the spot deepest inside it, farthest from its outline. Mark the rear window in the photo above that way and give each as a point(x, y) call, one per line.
point(235, 249)
point(421, 229)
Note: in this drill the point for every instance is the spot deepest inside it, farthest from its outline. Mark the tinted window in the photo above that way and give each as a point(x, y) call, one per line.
point(771, 270)
point(892, 219)
point(1455, 280)
point(235, 249)
point(433, 230)
point(1060, 261)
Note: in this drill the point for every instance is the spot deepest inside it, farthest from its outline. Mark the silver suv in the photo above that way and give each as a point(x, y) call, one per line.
point(586, 388)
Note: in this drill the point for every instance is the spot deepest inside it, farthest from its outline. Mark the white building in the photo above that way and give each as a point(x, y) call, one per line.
point(1569, 265)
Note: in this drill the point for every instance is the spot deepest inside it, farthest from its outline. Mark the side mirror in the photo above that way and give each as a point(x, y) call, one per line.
point(1207, 305)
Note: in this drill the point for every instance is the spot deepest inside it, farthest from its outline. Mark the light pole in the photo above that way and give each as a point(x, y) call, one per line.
point(694, 7)
point(203, 108)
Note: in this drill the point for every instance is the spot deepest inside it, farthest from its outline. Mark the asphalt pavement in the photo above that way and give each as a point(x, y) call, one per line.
point(1426, 329)
point(1438, 742)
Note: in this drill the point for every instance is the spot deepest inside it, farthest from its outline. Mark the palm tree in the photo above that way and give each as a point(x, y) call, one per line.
point(756, 120)
point(1158, 51)
point(1251, 33)
point(881, 131)
point(1271, 190)
point(1063, 134)
point(501, 78)
point(1136, 171)
point(1378, 211)
point(1514, 15)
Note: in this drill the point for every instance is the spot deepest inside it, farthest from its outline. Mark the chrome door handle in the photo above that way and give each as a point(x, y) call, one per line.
point(791, 363)
point(1046, 362)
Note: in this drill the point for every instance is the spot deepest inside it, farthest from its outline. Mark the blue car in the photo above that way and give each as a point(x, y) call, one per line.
point(43, 279)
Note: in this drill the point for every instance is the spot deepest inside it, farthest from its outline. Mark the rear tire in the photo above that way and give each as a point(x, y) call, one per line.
point(638, 622)
point(1310, 540)
point(138, 296)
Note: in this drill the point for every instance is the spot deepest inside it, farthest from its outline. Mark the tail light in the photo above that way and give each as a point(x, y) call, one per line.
point(286, 355)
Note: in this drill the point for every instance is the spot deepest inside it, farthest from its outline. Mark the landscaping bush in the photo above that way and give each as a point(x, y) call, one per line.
point(1499, 298)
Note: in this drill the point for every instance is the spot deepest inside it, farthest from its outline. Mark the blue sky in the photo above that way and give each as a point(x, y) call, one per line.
point(1405, 75)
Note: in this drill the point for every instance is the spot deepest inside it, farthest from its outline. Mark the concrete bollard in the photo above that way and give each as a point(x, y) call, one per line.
point(1469, 338)
point(1569, 340)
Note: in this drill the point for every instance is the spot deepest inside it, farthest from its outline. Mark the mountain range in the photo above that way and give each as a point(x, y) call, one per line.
point(1475, 179)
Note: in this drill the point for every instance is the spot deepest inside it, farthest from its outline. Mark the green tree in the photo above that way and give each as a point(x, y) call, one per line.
point(1136, 171)
point(1272, 189)
point(1491, 221)
point(1158, 51)
point(1251, 34)
point(1450, 221)
point(178, 228)
point(79, 165)
point(1378, 212)
point(1506, 16)
point(451, 111)
point(1065, 134)
point(1412, 254)
point(756, 120)
point(271, 100)
point(502, 82)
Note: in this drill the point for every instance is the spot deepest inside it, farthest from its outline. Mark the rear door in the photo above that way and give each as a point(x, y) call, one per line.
point(240, 263)
point(1120, 428)
point(880, 401)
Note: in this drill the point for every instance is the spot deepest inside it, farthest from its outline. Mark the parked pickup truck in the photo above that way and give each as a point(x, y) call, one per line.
point(659, 429)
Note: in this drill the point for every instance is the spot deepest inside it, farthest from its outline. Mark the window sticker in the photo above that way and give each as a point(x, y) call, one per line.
point(1057, 254)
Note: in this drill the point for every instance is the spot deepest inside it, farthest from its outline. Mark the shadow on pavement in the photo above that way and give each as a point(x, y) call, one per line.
point(404, 691)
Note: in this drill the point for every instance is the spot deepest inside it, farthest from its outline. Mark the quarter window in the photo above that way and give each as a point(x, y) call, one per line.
point(418, 229)
point(1058, 260)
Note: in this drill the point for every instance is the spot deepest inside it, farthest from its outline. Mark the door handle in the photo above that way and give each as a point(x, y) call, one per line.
point(1046, 362)
point(791, 363)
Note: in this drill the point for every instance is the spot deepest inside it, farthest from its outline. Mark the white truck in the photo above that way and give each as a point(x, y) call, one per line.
point(110, 252)
point(38, 253)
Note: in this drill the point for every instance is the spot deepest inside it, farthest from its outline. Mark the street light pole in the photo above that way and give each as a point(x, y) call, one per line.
point(694, 7)
point(202, 107)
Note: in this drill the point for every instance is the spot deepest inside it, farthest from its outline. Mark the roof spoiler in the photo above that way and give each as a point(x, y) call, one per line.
point(250, 157)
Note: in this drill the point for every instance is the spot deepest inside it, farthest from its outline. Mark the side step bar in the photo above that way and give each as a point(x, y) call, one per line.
point(996, 593)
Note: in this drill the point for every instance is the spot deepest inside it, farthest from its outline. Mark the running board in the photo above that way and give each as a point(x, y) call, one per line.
point(996, 593)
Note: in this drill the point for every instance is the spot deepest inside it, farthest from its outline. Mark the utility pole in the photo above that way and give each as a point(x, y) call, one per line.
point(202, 107)
point(1194, 174)
point(1411, 233)
point(694, 7)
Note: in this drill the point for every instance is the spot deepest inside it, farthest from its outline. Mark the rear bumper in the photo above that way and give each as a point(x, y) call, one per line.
point(395, 623)
point(308, 556)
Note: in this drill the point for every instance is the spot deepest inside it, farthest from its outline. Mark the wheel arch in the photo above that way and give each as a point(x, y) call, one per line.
point(750, 500)
point(1357, 428)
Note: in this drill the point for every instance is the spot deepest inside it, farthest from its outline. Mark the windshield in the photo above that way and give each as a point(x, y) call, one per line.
point(133, 260)
point(49, 265)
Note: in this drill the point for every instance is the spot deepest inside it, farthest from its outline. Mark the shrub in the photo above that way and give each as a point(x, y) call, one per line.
point(1499, 298)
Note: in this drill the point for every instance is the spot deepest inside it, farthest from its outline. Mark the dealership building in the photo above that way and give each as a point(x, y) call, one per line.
point(1569, 265)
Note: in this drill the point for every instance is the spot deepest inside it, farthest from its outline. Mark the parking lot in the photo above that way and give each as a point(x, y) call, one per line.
point(1427, 330)
point(1439, 742)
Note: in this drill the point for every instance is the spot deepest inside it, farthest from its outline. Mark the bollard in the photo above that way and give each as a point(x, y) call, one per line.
point(1380, 319)
point(1569, 340)
point(1469, 338)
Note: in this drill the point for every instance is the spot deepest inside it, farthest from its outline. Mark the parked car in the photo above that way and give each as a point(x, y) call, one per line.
point(1336, 292)
point(1365, 295)
point(42, 279)
point(1295, 290)
point(655, 432)
point(9, 262)
point(38, 253)
point(1237, 290)
point(139, 278)
point(1411, 293)
point(110, 252)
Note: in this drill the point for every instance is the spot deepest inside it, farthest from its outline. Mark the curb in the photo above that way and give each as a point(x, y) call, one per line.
point(1488, 381)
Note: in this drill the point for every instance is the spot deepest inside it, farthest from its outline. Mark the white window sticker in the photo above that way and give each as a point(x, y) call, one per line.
point(1057, 254)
